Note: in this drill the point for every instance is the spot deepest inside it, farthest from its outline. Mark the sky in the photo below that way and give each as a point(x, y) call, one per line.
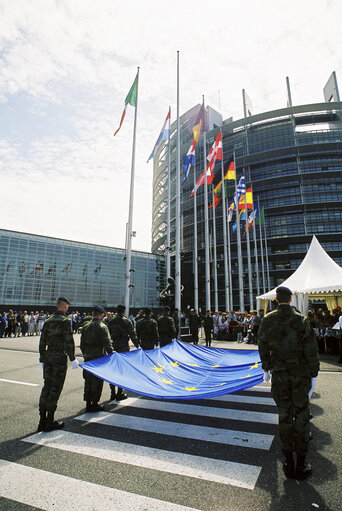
point(66, 67)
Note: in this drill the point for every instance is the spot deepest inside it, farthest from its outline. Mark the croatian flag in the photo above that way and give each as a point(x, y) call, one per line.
point(164, 134)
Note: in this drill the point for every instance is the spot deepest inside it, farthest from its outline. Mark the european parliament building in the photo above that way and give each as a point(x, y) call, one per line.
point(35, 270)
point(292, 159)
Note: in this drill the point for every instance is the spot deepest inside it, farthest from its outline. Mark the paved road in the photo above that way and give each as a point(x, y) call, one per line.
point(220, 454)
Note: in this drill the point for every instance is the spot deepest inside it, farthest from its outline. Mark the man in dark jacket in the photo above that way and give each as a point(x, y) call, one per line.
point(194, 325)
point(95, 343)
point(208, 324)
point(166, 327)
point(288, 348)
point(56, 343)
point(147, 330)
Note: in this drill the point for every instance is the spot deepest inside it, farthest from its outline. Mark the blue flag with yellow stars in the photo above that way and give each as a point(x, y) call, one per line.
point(180, 371)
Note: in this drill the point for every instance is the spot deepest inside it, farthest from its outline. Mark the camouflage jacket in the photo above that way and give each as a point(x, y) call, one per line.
point(287, 343)
point(166, 327)
point(121, 330)
point(56, 338)
point(147, 330)
point(95, 340)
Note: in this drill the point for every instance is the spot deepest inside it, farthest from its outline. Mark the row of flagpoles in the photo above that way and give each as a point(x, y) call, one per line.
point(243, 200)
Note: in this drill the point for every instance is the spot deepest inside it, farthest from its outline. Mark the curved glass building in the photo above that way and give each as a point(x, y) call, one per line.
point(292, 159)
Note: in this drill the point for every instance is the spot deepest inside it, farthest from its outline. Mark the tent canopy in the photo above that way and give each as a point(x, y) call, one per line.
point(318, 274)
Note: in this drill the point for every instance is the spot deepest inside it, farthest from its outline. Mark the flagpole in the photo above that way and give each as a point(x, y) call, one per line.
point(261, 251)
point(250, 287)
point(168, 235)
point(266, 252)
point(206, 221)
point(224, 220)
point(195, 262)
point(178, 258)
point(215, 254)
point(130, 211)
point(238, 239)
point(229, 267)
point(256, 255)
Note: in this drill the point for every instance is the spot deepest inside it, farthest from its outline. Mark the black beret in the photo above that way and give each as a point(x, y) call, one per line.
point(63, 299)
point(284, 290)
point(99, 308)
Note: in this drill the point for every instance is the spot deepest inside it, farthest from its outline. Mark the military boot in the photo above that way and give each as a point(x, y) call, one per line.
point(289, 466)
point(304, 469)
point(89, 406)
point(97, 408)
point(42, 421)
point(120, 396)
point(51, 424)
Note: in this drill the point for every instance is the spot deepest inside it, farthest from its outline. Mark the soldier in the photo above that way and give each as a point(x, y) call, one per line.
point(175, 318)
point(56, 343)
point(194, 325)
point(288, 348)
point(147, 330)
point(208, 324)
point(166, 327)
point(95, 343)
point(121, 330)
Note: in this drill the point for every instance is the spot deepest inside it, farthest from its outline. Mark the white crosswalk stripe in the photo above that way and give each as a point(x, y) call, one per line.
point(32, 486)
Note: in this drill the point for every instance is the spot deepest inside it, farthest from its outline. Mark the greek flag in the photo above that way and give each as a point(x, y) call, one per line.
point(240, 190)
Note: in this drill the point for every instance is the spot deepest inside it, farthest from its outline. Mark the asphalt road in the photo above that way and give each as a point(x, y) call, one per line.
point(215, 455)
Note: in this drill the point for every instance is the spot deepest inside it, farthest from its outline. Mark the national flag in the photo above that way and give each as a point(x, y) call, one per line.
point(22, 269)
point(163, 135)
point(215, 153)
point(131, 99)
point(67, 268)
point(260, 220)
point(230, 214)
point(249, 200)
point(51, 270)
point(240, 190)
point(38, 268)
point(230, 174)
point(8, 267)
point(189, 159)
point(97, 269)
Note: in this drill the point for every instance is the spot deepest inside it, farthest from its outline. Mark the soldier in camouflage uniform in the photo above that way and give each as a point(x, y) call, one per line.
point(166, 327)
point(95, 343)
point(194, 325)
point(56, 343)
point(288, 348)
point(121, 330)
point(147, 330)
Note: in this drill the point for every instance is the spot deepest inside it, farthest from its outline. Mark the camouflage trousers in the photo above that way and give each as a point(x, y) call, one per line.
point(54, 377)
point(92, 387)
point(291, 396)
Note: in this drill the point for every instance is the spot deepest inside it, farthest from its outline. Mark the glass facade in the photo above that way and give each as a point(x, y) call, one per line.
point(35, 270)
point(292, 158)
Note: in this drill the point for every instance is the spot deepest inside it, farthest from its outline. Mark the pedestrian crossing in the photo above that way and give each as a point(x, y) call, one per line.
point(219, 441)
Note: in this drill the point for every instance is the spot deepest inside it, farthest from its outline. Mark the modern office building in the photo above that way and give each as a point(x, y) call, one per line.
point(35, 270)
point(292, 159)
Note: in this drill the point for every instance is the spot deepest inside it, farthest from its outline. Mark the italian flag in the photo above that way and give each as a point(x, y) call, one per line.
point(131, 99)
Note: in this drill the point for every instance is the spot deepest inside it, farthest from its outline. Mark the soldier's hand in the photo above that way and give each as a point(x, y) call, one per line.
point(267, 376)
point(313, 386)
point(75, 363)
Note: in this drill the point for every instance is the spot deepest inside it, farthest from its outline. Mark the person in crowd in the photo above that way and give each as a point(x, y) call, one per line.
point(208, 324)
point(166, 327)
point(40, 320)
point(18, 323)
point(175, 317)
point(147, 330)
point(55, 345)
point(95, 343)
point(139, 316)
point(36, 316)
point(194, 325)
point(239, 328)
point(11, 319)
point(288, 348)
point(121, 331)
point(3, 324)
point(255, 322)
point(25, 324)
point(32, 322)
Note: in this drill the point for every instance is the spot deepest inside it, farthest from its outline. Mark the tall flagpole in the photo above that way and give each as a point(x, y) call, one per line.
point(256, 255)
point(238, 239)
point(130, 211)
point(229, 267)
point(225, 255)
point(215, 254)
point(206, 221)
point(195, 243)
point(261, 252)
point(266, 254)
point(168, 235)
point(250, 287)
point(178, 209)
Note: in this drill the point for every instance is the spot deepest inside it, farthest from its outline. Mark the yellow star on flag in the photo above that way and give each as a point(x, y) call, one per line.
point(163, 367)
point(190, 388)
point(242, 377)
point(255, 366)
point(193, 365)
point(157, 369)
point(167, 381)
point(174, 364)
point(217, 365)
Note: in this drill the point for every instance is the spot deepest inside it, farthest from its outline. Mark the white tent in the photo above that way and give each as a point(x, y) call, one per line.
point(317, 278)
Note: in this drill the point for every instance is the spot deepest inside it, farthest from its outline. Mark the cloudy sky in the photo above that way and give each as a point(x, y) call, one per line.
point(67, 65)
